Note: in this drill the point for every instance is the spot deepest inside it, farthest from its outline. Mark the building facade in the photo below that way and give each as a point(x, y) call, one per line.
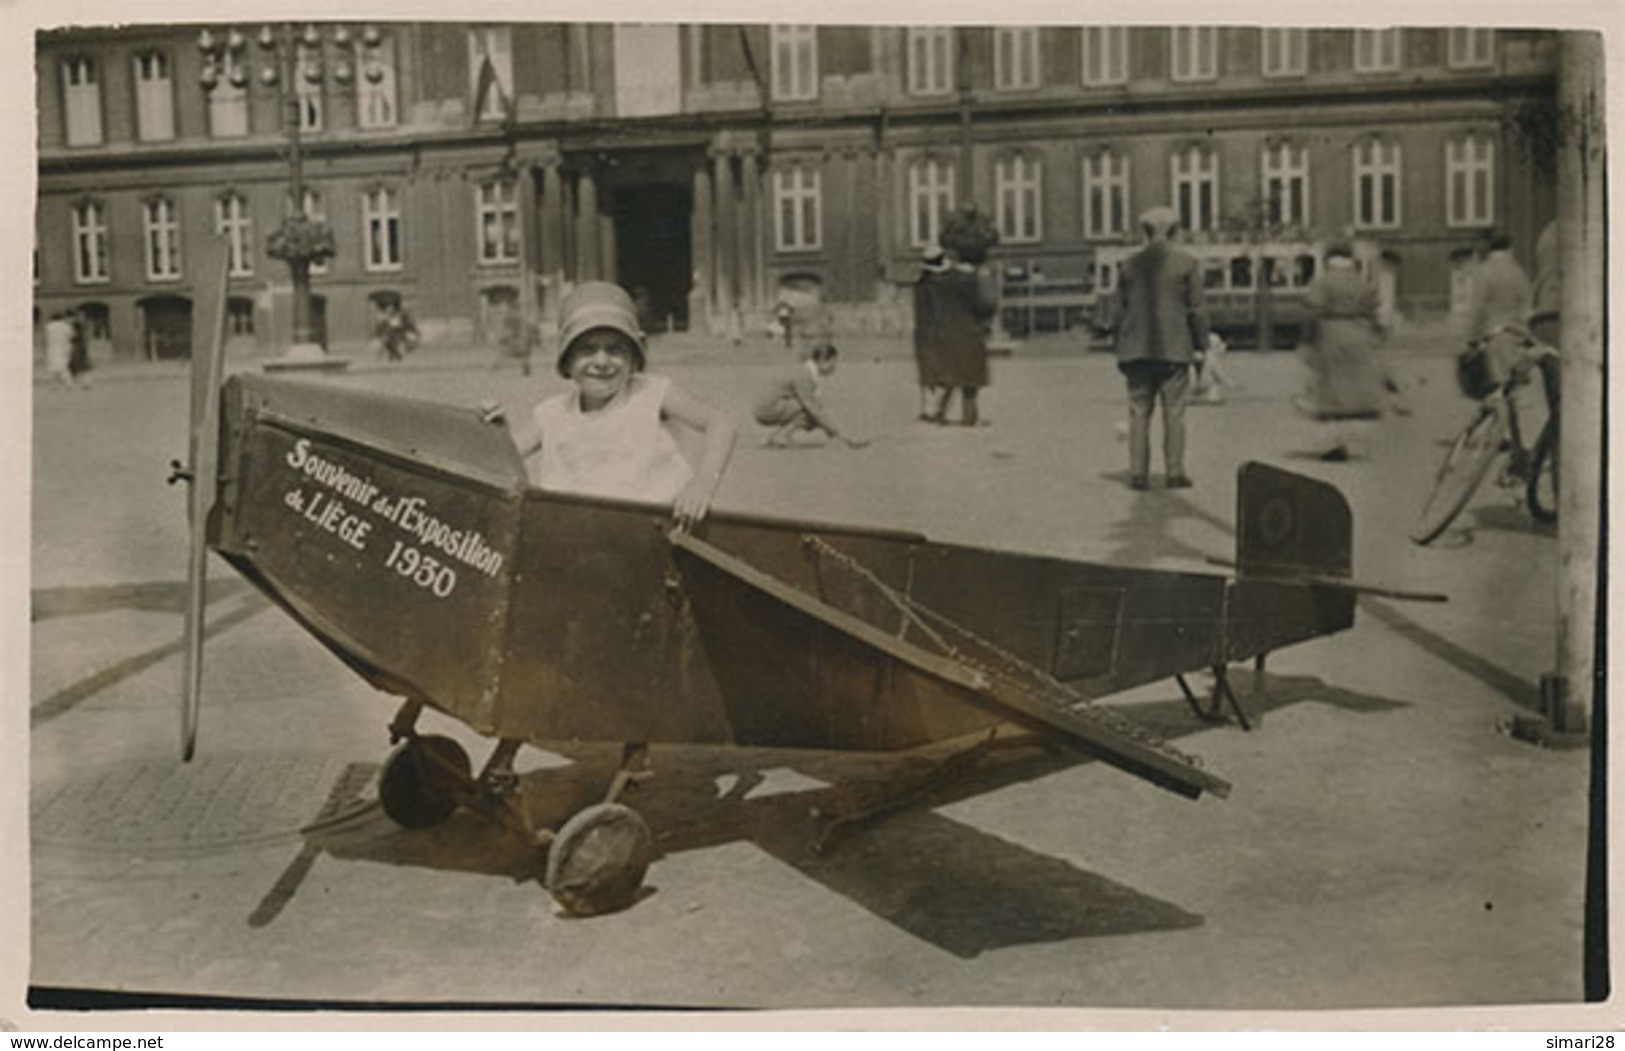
point(713, 169)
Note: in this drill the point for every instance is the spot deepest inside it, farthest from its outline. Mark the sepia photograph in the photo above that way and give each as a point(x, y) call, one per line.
point(1040, 511)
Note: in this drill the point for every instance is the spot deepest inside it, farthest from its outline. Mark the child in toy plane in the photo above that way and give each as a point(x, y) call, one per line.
point(607, 435)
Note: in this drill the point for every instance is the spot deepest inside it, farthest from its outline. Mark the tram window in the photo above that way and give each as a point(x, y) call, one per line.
point(1241, 272)
point(1306, 269)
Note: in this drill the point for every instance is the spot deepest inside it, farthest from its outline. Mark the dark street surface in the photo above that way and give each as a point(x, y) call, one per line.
point(1387, 844)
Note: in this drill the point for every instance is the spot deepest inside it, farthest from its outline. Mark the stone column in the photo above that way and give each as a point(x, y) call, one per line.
point(699, 293)
point(726, 217)
point(885, 216)
point(750, 253)
point(607, 269)
point(552, 260)
point(586, 227)
point(530, 240)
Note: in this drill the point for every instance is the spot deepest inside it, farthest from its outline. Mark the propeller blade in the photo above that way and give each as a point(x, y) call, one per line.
point(204, 475)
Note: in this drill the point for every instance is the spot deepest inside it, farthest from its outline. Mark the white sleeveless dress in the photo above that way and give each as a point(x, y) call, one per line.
point(624, 450)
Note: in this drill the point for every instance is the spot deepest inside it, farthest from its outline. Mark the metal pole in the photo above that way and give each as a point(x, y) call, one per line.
point(1582, 237)
point(293, 118)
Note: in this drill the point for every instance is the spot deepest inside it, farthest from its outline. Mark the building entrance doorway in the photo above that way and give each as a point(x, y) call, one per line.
point(166, 327)
point(654, 252)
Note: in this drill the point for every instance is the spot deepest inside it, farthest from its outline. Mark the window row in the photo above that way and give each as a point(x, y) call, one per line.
point(226, 92)
point(382, 237)
point(931, 55)
point(1107, 208)
point(1193, 56)
point(1105, 185)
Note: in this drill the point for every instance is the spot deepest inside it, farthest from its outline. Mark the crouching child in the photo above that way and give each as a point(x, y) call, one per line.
point(791, 403)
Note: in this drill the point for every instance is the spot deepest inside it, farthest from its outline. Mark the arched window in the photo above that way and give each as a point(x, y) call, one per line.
point(1015, 58)
point(795, 62)
point(162, 239)
point(154, 97)
point(1195, 179)
point(1469, 180)
point(1284, 173)
point(930, 60)
point(90, 262)
point(1105, 55)
point(797, 208)
point(1377, 171)
point(82, 100)
point(232, 221)
point(930, 198)
point(496, 218)
point(1105, 194)
point(1018, 188)
point(381, 222)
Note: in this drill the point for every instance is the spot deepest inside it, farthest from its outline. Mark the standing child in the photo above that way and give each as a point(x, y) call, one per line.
point(607, 435)
point(1211, 379)
point(791, 403)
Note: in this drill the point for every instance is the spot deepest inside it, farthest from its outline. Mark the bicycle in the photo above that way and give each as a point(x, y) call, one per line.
point(1496, 428)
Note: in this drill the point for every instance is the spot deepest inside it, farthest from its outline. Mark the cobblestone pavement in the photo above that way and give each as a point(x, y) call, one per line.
point(1387, 843)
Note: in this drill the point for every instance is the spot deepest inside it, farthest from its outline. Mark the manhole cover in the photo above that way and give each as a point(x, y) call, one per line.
point(153, 806)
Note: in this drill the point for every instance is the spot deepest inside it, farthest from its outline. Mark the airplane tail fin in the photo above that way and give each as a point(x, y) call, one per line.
point(1290, 526)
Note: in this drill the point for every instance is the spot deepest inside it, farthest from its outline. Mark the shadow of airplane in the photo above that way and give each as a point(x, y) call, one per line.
point(157, 597)
point(160, 596)
point(961, 889)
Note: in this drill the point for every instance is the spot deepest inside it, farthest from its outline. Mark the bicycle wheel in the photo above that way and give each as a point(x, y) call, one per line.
point(1542, 489)
point(1463, 469)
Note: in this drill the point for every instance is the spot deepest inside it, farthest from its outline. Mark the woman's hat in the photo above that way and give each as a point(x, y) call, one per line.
point(934, 258)
point(598, 304)
point(1161, 218)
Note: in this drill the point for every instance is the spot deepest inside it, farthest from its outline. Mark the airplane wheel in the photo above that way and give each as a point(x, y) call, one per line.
point(597, 861)
point(417, 785)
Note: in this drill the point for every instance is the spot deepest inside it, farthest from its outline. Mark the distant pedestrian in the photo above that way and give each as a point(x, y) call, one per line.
point(1545, 307)
point(953, 309)
point(516, 339)
point(1501, 295)
point(927, 358)
point(390, 331)
point(79, 353)
point(59, 349)
point(791, 404)
point(784, 321)
point(1161, 321)
point(1347, 386)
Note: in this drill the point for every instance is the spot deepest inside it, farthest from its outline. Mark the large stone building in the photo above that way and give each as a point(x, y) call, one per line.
point(712, 167)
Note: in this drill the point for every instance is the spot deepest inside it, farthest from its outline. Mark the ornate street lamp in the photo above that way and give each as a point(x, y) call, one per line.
point(291, 52)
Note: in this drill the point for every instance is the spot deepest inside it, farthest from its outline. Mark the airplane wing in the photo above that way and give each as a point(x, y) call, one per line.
point(997, 683)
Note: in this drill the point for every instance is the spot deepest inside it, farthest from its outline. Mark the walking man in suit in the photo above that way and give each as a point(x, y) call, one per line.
point(1161, 322)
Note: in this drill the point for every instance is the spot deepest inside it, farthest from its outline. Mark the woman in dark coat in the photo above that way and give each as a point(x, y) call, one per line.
point(952, 310)
point(1346, 376)
point(927, 361)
